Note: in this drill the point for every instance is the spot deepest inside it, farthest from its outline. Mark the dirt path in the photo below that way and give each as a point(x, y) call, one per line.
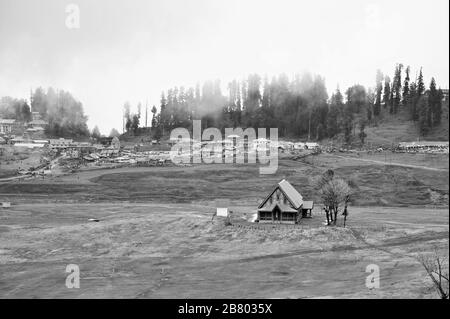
point(394, 164)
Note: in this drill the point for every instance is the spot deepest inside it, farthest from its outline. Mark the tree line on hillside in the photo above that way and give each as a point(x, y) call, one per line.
point(297, 107)
point(64, 114)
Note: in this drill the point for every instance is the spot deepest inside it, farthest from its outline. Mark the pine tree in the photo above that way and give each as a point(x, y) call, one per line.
point(432, 101)
point(237, 116)
point(387, 92)
point(438, 108)
point(391, 100)
point(422, 105)
point(420, 84)
point(412, 103)
point(370, 105)
point(420, 90)
point(114, 133)
point(127, 116)
point(163, 112)
point(379, 89)
point(397, 87)
point(139, 109)
point(96, 133)
point(266, 94)
point(154, 118)
point(406, 87)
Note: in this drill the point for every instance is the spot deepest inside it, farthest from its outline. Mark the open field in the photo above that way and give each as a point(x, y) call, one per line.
point(156, 239)
point(422, 181)
point(162, 251)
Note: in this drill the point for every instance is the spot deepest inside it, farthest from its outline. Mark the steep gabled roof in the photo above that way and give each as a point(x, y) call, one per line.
point(290, 192)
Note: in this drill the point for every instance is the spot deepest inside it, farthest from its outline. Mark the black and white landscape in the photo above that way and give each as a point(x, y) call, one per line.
point(224, 149)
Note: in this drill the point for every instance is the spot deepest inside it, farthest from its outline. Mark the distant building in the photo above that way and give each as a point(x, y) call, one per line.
point(41, 124)
point(115, 143)
point(311, 145)
point(423, 146)
point(36, 123)
point(60, 143)
point(445, 94)
point(105, 141)
point(36, 116)
point(299, 146)
point(261, 144)
point(7, 126)
point(222, 208)
point(284, 205)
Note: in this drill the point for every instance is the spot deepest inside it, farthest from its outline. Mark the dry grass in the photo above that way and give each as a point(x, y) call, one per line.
point(161, 251)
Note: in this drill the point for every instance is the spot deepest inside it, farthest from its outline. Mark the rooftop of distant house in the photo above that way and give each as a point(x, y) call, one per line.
point(38, 122)
point(7, 121)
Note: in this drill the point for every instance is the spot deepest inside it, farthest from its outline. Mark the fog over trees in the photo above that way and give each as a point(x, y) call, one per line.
point(297, 106)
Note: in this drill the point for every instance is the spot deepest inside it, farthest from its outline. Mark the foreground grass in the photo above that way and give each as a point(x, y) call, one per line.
point(176, 251)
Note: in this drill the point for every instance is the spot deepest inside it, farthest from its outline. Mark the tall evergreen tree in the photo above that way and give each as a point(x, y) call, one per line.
point(420, 84)
point(397, 87)
point(420, 90)
point(370, 105)
point(334, 113)
point(422, 105)
point(411, 102)
point(95, 133)
point(438, 107)
point(379, 90)
point(391, 99)
point(432, 101)
point(163, 113)
point(387, 92)
point(154, 117)
point(406, 87)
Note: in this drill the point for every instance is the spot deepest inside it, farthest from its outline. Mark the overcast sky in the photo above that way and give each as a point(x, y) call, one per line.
point(132, 50)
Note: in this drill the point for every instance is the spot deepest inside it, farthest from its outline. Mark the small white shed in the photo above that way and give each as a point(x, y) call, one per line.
point(222, 211)
point(222, 208)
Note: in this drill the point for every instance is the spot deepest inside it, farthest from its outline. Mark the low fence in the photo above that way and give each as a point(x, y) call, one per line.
point(244, 225)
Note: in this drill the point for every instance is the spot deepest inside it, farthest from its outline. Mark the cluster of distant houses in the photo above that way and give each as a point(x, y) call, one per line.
point(104, 146)
point(32, 129)
point(423, 147)
point(259, 144)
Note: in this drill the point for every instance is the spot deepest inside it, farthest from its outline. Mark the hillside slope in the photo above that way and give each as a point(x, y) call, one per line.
point(389, 130)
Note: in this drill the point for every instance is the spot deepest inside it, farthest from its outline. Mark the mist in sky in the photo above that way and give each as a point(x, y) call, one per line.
point(132, 50)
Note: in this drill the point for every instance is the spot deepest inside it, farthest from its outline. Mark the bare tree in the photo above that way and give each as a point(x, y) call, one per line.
point(334, 193)
point(436, 267)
